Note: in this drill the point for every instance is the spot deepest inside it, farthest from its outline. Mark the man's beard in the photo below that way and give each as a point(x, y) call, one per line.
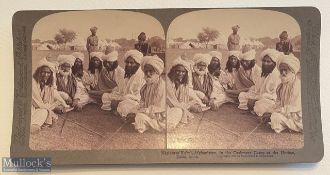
point(43, 81)
point(65, 74)
point(77, 70)
point(213, 67)
point(288, 77)
point(178, 81)
point(216, 73)
point(267, 70)
point(250, 66)
point(129, 71)
point(200, 72)
point(111, 68)
point(153, 79)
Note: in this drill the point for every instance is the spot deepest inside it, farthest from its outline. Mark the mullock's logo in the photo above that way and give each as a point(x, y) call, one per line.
point(26, 164)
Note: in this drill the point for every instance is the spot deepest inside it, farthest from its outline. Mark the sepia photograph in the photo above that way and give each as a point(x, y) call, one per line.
point(233, 80)
point(165, 87)
point(96, 81)
point(149, 86)
point(219, 79)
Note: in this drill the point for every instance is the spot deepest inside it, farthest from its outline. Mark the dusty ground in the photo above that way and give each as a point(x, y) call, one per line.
point(227, 128)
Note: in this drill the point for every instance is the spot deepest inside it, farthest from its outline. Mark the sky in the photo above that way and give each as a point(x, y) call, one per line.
point(253, 23)
point(112, 24)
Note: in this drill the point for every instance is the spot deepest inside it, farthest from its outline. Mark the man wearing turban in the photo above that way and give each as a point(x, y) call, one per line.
point(126, 96)
point(288, 111)
point(65, 81)
point(234, 39)
point(219, 79)
point(284, 45)
point(111, 74)
point(179, 96)
point(190, 63)
point(81, 77)
point(90, 78)
point(247, 73)
point(78, 66)
point(45, 98)
point(142, 45)
point(201, 80)
point(262, 96)
point(233, 84)
point(92, 44)
point(152, 107)
point(52, 60)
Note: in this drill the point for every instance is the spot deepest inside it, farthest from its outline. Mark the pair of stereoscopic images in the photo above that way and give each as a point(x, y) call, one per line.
point(214, 79)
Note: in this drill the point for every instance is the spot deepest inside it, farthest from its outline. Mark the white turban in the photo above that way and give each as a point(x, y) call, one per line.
point(249, 55)
point(272, 53)
point(79, 55)
point(135, 54)
point(235, 27)
point(182, 62)
point(234, 53)
point(93, 29)
point(45, 62)
point(61, 59)
point(112, 56)
point(98, 55)
point(292, 61)
point(216, 54)
point(155, 62)
point(200, 57)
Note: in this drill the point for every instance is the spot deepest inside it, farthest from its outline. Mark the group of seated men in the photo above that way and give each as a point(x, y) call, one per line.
point(140, 94)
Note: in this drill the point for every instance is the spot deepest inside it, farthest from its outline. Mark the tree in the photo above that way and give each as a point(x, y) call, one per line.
point(64, 36)
point(207, 35)
point(202, 38)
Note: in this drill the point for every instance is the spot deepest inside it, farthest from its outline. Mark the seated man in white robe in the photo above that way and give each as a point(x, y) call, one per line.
point(45, 98)
point(201, 79)
point(126, 96)
point(288, 111)
point(91, 76)
point(232, 66)
point(111, 74)
point(219, 77)
point(178, 95)
point(247, 73)
point(65, 81)
point(79, 73)
point(152, 107)
point(262, 96)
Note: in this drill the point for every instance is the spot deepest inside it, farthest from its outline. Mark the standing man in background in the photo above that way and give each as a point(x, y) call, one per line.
point(142, 45)
point(284, 45)
point(92, 42)
point(233, 39)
